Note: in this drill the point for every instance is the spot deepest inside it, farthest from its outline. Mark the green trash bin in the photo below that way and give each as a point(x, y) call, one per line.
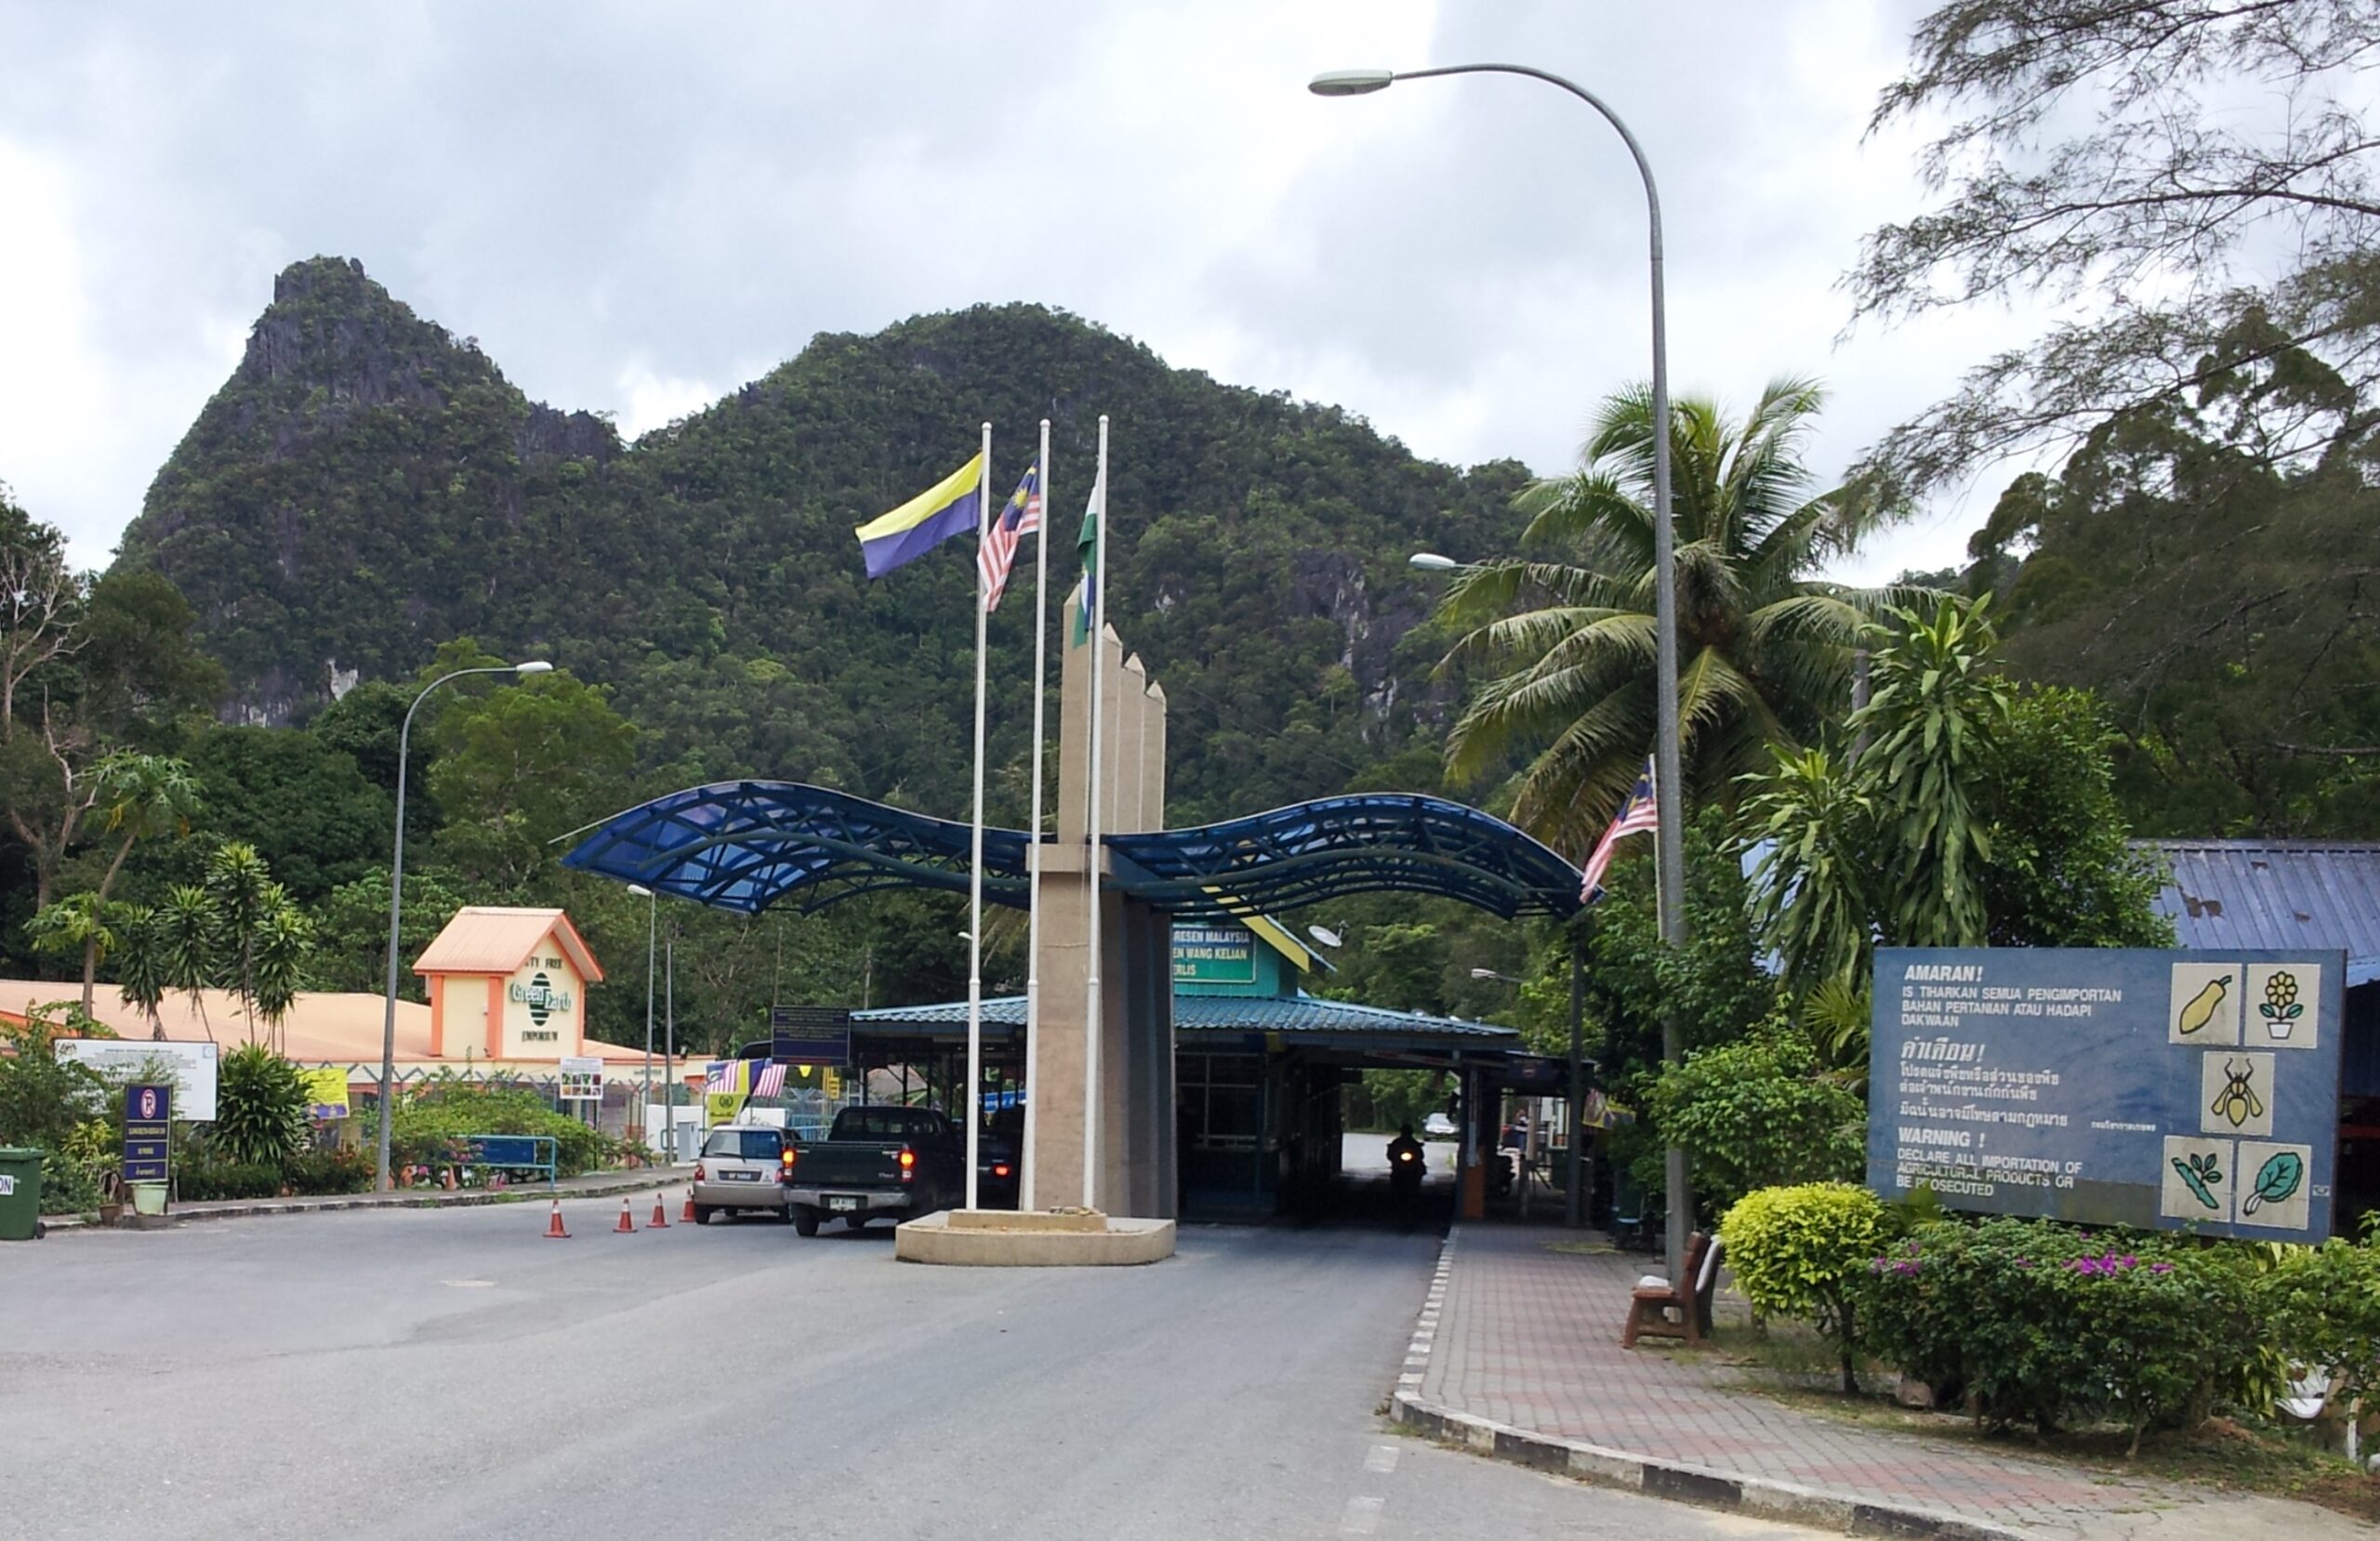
point(19, 1193)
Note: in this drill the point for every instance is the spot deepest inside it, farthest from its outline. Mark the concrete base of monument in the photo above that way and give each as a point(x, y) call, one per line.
point(1052, 1238)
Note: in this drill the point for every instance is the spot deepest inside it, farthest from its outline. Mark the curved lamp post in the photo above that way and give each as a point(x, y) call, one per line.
point(396, 901)
point(1669, 850)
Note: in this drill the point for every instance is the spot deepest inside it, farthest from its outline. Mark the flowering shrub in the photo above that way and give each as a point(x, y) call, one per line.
point(2042, 1323)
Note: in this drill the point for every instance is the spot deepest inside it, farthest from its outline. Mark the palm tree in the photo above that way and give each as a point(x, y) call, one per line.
point(1764, 649)
point(142, 976)
point(186, 933)
point(136, 797)
point(79, 922)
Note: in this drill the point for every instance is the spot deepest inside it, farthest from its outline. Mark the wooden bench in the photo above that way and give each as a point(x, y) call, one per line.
point(1651, 1304)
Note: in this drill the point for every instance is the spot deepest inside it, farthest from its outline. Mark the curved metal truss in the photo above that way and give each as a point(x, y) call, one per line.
point(1333, 847)
point(747, 845)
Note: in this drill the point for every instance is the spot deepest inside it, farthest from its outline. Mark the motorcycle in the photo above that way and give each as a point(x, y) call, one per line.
point(1405, 1183)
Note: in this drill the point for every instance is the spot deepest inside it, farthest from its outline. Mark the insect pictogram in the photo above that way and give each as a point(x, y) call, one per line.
point(2238, 1100)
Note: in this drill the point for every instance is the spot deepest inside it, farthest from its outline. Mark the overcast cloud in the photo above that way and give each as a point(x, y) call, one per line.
point(638, 208)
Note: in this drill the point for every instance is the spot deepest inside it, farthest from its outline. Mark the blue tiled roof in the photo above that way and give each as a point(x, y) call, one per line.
point(1296, 1015)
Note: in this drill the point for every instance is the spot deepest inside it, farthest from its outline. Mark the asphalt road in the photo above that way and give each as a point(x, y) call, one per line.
point(451, 1372)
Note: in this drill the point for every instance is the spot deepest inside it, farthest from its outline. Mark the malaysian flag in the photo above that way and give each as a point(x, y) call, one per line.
point(723, 1077)
point(771, 1082)
point(1020, 517)
point(1639, 814)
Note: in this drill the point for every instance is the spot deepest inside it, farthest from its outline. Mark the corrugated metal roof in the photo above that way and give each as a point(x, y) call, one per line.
point(2274, 894)
point(1293, 1014)
point(492, 939)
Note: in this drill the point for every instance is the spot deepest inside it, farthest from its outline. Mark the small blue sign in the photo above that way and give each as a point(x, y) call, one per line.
point(2161, 1089)
point(148, 1132)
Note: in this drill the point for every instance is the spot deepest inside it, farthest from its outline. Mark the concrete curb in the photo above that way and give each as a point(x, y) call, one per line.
point(212, 1211)
point(1649, 1475)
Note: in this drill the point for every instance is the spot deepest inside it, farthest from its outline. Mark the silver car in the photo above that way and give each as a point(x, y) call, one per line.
point(738, 1171)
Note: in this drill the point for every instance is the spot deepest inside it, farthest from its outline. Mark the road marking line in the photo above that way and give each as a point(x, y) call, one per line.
point(1361, 1516)
point(1381, 1458)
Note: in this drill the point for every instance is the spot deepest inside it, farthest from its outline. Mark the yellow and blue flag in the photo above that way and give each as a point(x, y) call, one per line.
point(952, 506)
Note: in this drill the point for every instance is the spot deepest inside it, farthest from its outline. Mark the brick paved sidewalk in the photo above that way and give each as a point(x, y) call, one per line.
point(1528, 1338)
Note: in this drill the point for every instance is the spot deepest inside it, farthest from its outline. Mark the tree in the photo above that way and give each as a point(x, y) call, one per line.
point(303, 806)
point(2212, 154)
point(262, 937)
point(1757, 1113)
point(135, 797)
point(2218, 604)
point(1977, 815)
point(144, 976)
point(519, 765)
point(352, 930)
point(42, 1097)
point(77, 924)
point(41, 598)
point(82, 666)
point(1764, 648)
point(1935, 709)
point(1715, 983)
point(238, 929)
point(259, 1108)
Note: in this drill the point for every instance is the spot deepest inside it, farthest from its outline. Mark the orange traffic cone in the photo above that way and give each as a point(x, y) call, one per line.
point(628, 1225)
point(450, 1179)
point(660, 1221)
point(555, 1230)
point(687, 1214)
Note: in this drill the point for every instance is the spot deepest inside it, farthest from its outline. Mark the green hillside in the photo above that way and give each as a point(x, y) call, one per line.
point(367, 486)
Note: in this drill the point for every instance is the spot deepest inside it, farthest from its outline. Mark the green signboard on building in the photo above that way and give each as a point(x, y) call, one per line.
point(1213, 955)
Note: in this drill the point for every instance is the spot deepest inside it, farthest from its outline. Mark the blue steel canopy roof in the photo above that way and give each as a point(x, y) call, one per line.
point(1292, 1016)
point(746, 844)
point(1332, 847)
point(2274, 894)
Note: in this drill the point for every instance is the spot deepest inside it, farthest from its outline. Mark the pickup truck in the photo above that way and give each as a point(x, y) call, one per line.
point(875, 1162)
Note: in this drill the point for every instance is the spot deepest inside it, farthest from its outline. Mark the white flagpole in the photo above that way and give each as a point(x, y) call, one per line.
point(1097, 639)
point(1032, 911)
point(975, 873)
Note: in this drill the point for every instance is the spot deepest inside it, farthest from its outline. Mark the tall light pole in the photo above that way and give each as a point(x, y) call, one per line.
point(1670, 852)
point(652, 929)
point(396, 903)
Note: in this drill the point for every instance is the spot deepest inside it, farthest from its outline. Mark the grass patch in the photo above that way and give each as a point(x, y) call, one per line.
point(1583, 1249)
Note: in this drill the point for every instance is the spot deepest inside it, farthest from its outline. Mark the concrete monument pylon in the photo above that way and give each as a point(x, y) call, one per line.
point(1130, 1110)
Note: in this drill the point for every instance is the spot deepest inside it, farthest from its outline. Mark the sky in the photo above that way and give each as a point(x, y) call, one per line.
point(637, 208)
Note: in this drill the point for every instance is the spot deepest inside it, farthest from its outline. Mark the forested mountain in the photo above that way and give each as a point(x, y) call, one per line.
point(367, 486)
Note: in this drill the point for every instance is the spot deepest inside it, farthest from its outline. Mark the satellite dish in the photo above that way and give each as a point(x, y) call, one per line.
point(1324, 934)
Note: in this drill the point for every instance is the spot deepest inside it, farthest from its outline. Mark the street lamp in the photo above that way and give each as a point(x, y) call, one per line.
point(652, 926)
point(1669, 850)
point(1430, 561)
point(1491, 974)
point(396, 902)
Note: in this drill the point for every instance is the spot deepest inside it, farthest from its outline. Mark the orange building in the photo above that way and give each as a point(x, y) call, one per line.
point(507, 985)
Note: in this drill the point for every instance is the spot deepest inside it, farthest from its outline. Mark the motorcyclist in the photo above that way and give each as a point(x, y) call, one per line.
point(1405, 1164)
